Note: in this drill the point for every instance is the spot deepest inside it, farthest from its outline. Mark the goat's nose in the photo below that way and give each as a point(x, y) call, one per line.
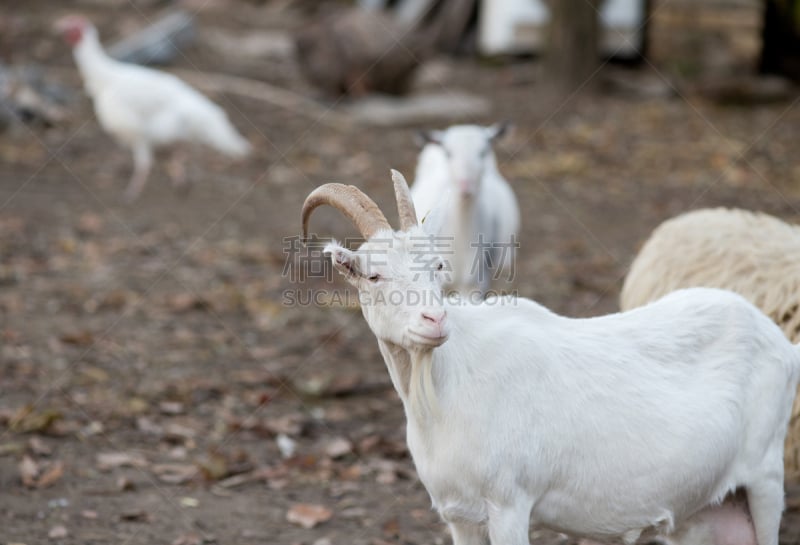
point(435, 316)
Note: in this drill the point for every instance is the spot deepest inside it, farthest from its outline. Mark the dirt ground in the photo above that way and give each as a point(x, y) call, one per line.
point(150, 370)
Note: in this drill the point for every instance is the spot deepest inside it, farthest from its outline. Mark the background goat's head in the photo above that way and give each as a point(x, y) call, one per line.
point(468, 151)
point(397, 273)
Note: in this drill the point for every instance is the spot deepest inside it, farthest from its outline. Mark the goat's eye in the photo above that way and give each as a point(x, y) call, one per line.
point(374, 277)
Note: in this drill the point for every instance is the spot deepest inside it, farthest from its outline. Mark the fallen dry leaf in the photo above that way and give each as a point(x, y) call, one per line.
point(94, 374)
point(35, 475)
point(190, 538)
point(89, 514)
point(386, 472)
point(391, 528)
point(124, 484)
point(146, 425)
point(256, 377)
point(421, 514)
point(137, 405)
point(338, 447)
point(214, 467)
point(178, 432)
point(186, 501)
point(27, 420)
point(308, 515)
point(14, 447)
point(290, 424)
point(78, 338)
point(137, 515)
point(93, 428)
point(178, 453)
point(58, 532)
point(89, 223)
point(51, 475)
point(39, 447)
point(184, 302)
point(171, 407)
point(353, 513)
point(260, 474)
point(351, 473)
point(343, 385)
point(106, 461)
point(28, 471)
point(175, 473)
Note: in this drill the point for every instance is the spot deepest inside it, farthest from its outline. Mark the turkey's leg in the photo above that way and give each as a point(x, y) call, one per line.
point(142, 163)
point(177, 170)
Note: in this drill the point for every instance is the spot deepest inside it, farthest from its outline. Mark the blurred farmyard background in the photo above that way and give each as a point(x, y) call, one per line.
point(164, 376)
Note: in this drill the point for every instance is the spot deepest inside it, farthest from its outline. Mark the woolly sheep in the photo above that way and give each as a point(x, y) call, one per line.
point(619, 427)
point(753, 254)
point(460, 191)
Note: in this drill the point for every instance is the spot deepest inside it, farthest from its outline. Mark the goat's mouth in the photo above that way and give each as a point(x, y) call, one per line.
point(468, 192)
point(428, 337)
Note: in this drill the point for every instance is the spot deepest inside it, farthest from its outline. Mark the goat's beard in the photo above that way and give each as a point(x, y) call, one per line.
point(421, 390)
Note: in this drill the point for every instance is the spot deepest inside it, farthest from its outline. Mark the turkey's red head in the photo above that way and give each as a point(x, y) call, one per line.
point(72, 28)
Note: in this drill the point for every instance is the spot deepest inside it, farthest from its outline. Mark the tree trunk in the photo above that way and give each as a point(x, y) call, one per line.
point(780, 46)
point(572, 56)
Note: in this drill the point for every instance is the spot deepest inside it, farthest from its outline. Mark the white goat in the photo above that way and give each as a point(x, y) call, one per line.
point(616, 427)
point(753, 254)
point(474, 205)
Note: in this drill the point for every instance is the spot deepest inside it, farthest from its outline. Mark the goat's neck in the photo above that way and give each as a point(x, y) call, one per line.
point(462, 221)
point(464, 213)
point(93, 62)
point(477, 334)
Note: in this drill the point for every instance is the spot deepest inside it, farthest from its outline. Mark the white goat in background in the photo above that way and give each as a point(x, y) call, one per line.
point(618, 427)
point(474, 208)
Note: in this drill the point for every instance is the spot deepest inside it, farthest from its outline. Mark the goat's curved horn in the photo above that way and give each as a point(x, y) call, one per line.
point(350, 201)
point(405, 205)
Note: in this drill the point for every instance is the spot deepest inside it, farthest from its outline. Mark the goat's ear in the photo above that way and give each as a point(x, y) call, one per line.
point(344, 261)
point(498, 130)
point(433, 222)
point(422, 138)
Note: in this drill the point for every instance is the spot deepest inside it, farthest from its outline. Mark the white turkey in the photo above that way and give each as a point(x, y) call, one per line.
point(144, 108)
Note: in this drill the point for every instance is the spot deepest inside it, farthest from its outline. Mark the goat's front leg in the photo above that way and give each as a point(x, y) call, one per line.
point(766, 505)
point(508, 524)
point(467, 533)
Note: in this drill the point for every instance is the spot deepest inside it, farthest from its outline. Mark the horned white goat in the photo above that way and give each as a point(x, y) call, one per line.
point(476, 212)
point(753, 254)
point(614, 427)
